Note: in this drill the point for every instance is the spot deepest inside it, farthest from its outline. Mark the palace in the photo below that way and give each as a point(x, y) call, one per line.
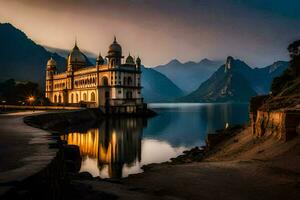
point(112, 85)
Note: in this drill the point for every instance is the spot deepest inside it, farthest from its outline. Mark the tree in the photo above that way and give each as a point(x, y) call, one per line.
point(291, 73)
point(294, 50)
point(15, 92)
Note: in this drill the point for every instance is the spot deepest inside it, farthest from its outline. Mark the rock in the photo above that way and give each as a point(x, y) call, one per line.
point(85, 175)
point(72, 157)
point(193, 155)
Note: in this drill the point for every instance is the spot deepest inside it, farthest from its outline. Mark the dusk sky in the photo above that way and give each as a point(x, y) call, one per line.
point(257, 31)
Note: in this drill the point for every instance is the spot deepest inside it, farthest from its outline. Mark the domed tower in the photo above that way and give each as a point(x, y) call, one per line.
point(138, 76)
point(100, 60)
point(76, 59)
point(50, 71)
point(130, 60)
point(114, 54)
point(51, 68)
point(138, 62)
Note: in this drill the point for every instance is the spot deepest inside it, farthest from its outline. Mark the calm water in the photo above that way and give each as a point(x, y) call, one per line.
point(118, 147)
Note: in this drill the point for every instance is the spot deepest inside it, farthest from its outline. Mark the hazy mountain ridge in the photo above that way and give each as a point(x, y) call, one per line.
point(157, 87)
point(188, 76)
point(262, 77)
point(236, 81)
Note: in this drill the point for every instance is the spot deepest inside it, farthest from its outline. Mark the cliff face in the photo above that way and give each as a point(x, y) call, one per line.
point(278, 114)
point(282, 125)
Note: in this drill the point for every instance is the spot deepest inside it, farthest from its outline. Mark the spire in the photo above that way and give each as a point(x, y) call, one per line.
point(138, 61)
point(115, 39)
point(75, 45)
point(100, 60)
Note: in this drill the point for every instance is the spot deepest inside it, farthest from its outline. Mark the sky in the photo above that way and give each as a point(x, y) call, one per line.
point(256, 31)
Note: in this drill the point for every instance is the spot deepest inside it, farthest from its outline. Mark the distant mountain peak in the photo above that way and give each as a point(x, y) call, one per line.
point(205, 61)
point(174, 62)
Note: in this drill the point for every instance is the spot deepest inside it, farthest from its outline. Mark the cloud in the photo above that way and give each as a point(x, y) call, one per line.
point(160, 30)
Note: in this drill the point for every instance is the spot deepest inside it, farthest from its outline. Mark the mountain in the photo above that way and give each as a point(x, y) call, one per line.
point(22, 59)
point(238, 84)
point(228, 83)
point(188, 76)
point(157, 87)
point(262, 78)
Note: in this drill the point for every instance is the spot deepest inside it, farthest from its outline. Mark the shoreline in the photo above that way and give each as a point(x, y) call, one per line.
point(228, 151)
point(21, 159)
point(53, 123)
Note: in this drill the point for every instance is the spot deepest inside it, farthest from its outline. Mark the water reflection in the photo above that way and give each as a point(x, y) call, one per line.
point(120, 146)
point(115, 143)
point(188, 124)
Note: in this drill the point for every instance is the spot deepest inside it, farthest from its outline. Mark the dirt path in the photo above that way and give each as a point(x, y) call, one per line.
point(23, 149)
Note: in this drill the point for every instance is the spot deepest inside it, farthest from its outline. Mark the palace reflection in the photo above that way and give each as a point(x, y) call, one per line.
point(114, 143)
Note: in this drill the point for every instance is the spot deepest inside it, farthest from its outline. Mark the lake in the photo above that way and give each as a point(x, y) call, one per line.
point(117, 147)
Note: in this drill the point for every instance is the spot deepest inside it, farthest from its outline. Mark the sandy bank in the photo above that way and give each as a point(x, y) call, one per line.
point(238, 168)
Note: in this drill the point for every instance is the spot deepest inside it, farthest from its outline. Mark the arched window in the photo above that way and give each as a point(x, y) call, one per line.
point(128, 95)
point(59, 99)
point(104, 81)
point(72, 98)
point(84, 97)
point(93, 97)
point(129, 80)
point(55, 99)
point(77, 98)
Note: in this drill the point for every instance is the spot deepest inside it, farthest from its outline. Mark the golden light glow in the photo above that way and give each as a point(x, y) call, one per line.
point(31, 99)
point(113, 147)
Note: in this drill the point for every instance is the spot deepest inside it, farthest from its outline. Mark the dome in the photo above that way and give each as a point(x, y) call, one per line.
point(51, 64)
point(129, 60)
point(76, 57)
point(115, 47)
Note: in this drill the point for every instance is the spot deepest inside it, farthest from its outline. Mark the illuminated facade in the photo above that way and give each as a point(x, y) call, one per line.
point(111, 82)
